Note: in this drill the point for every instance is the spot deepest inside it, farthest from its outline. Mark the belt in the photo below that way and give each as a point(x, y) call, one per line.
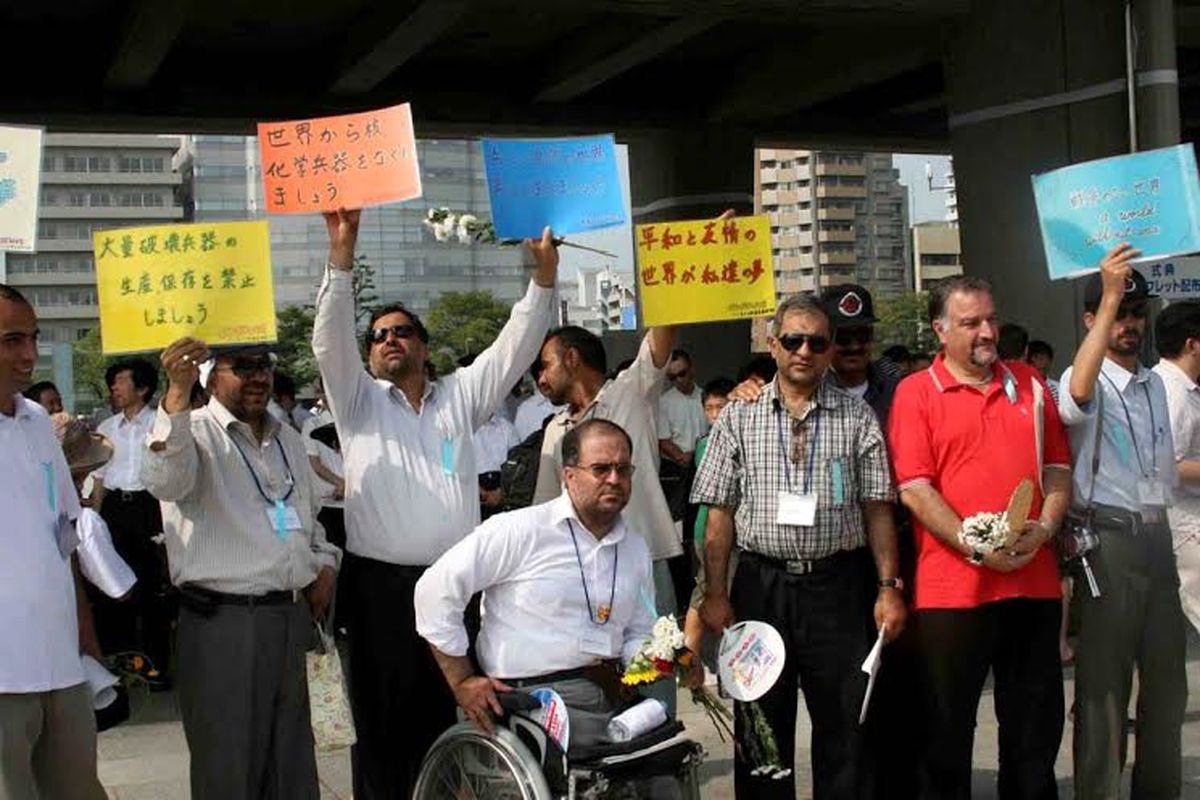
point(281, 598)
point(128, 497)
point(549, 677)
point(804, 566)
point(1123, 517)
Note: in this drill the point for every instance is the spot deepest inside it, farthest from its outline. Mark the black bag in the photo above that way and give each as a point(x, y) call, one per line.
point(519, 473)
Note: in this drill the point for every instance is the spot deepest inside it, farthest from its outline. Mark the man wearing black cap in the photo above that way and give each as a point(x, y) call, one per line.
point(1108, 399)
point(853, 316)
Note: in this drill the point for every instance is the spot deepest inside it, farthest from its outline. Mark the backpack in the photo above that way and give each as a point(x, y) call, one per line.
point(519, 472)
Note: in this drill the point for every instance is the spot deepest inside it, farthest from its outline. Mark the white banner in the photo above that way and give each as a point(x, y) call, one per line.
point(1172, 278)
point(20, 185)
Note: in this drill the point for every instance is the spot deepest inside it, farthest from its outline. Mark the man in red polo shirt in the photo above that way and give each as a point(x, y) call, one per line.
point(963, 436)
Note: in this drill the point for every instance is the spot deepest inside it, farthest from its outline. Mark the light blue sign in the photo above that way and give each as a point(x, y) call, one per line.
point(1149, 199)
point(572, 185)
point(629, 318)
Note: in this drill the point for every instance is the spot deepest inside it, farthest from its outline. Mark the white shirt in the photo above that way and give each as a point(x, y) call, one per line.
point(535, 616)
point(39, 631)
point(532, 413)
point(412, 489)
point(1183, 403)
point(629, 400)
point(331, 459)
point(296, 418)
point(1122, 463)
point(123, 472)
point(98, 559)
point(492, 441)
point(681, 418)
point(859, 391)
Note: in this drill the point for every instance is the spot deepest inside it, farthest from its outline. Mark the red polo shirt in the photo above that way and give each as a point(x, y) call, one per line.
point(973, 446)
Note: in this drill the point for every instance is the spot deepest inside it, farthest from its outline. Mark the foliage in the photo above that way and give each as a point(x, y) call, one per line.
point(363, 288)
point(294, 347)
point(462, 323)
point(89, 364)
point(903, 319)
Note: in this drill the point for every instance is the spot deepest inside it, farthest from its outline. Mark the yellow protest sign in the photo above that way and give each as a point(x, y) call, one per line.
point(162, 282)
point(705, 270)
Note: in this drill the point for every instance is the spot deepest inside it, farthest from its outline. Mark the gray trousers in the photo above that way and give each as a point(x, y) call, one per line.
point(1137, 621)
point(48, 746)
point(243, 694)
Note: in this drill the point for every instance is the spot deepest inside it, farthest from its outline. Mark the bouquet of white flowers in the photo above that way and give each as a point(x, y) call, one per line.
point(986, 532)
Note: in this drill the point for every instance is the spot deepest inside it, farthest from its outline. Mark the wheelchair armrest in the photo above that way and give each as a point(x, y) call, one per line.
point(517, 701)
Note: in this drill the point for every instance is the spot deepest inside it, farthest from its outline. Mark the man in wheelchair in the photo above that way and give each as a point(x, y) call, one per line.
point(568, 596)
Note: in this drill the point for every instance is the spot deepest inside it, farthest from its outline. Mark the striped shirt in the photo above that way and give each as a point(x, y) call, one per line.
point(834, 450)
point(217, 484)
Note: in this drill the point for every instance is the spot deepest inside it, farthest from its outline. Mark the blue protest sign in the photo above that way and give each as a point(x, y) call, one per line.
point(1149, 199)
point(572, 185)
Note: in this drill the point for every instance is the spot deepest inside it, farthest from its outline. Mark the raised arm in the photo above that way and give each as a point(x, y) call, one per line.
point(334, 341)
point(1085, 370)
point(171, 463)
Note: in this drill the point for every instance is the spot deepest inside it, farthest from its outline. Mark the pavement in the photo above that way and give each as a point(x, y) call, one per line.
point(147, 759)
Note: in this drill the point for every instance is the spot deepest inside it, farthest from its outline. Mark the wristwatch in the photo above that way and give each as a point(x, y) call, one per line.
point(976, 558)
point(892, 583)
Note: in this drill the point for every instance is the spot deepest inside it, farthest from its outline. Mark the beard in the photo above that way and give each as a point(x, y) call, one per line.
point(983, 355)
point(1127, 343)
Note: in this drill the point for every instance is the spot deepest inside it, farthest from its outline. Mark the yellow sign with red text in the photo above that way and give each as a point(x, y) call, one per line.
point(705, 270)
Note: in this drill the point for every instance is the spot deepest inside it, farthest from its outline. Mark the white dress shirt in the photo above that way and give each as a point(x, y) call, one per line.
point(331, 459)
point(492, 443)
point(39, 631)
point(532, 413)
point(681, 418)
point(535, 617)
point(412, 488)
point(1183, 402)
point(630, 400)
point(1126, 455)
point(217, 485)
point(98, 559)
point(123, 472)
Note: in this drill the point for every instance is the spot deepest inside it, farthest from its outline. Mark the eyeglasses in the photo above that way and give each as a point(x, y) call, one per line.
point(848, 336)
point(794, 341)
point(674, 376)
point(249, 367)
point(379, 335)
point(600, 470)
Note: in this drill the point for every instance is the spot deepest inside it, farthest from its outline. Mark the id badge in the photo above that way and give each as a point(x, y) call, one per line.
point(448, 456)
point(596, 643)
point(283, 518)
point(1150, 492)
point(796, 509)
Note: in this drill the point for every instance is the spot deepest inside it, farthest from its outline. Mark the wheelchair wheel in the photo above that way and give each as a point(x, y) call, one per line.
point(467, 764)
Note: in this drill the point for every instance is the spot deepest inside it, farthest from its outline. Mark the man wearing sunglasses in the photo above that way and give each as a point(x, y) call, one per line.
point(412, 491)
point(239, 507)
point(1137, 621)
point(805, 472)
point(853, 314)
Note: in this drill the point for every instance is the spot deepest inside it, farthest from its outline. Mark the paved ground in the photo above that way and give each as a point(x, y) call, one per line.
point(146, 758)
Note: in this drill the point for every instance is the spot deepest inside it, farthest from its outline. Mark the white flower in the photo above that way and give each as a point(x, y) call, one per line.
point(442, 231)
point(986, 532)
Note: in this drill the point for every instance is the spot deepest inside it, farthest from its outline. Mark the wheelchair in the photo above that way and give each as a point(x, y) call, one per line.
point(523, 762)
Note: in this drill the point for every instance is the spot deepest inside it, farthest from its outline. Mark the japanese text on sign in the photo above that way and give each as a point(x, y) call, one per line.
point(350, 161)
point(20, 176)
point(705, 270)
point(157, 284)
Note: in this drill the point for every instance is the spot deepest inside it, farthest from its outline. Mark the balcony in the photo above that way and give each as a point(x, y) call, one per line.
point(789, 197)
point(833, 259)
point(836, 213)
point(825, 190)
point(835, 236)
point(828, 168)
point(171, 212)
point(769, 176)
point(59, 178)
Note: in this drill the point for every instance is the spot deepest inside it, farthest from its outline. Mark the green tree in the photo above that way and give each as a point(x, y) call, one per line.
point(294, 326)
point(461, 323)
point(363, 287)
point(903, 319)
point(89, 364)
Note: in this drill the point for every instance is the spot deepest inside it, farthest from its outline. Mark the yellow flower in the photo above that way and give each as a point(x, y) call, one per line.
point(634, 677)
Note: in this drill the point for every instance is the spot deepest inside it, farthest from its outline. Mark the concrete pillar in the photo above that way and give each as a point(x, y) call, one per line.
point(1035, 85)
point(696, 175)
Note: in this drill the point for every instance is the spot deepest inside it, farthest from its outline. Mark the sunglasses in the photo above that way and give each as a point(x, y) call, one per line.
point(794, 341)
point(600, 471)
point(850, 336)
point(674, 376)
point(380, 335)
point(249, 367)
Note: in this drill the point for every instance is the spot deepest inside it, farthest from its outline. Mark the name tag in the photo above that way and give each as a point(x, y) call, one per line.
point(1151, 493)
point(596, 642)
point(796, 509)
point(283, 518)
point(449, 458)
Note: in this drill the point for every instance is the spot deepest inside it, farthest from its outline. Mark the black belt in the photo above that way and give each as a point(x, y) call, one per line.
point(806, 566)
point(549, 677)
point(129, 497)
point(1115, 516)
point(282, 598)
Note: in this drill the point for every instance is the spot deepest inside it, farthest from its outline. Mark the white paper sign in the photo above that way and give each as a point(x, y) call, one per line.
point(870, 666)
point(20, 186)
point(750, 660)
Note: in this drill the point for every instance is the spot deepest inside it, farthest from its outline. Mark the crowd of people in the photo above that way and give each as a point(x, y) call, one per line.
point(824, 492)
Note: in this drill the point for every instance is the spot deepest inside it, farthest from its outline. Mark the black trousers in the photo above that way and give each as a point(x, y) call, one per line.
point(333, 520)
point(142, 622)
point(400, 700)
point(1018, 640)
point(826, 620)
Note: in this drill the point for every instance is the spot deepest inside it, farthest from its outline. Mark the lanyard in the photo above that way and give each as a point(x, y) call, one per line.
point(605, 611)
point(291, 481)
point(783, 448)
point(1133, 433)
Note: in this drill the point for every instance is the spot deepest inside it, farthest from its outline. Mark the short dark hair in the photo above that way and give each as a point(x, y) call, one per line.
point(1037, 347)
point(589, 346)
point(393, 308)
point(899, 354)
point(12, 295)
point(939, 295)
point(284, 385)
point(681, 355)
point(1012, 342)
point(572, 443)
point(1176, 324)
point(141, 372)
point(34, 392)
point(759, 367)
point(718, 387)
point(802, 303)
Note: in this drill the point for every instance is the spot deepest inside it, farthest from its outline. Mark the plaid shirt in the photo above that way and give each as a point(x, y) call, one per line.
point(746, 467)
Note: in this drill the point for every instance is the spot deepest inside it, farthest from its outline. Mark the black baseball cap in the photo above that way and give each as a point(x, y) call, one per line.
point(848, 304)
point(1136, 288)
